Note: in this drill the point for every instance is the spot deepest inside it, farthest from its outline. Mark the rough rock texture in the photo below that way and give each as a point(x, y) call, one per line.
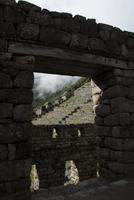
point(53, 145)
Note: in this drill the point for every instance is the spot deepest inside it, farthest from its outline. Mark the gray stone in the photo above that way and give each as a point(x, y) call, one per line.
point(112, 48)
point(5, 81)
point(99, 121)
point(118, 36)
point(120, 144)
point(16, 96)
point(3, 45)
point(96, 44)
point(22, 113)
point(11, 170)
point(102, 130)
point(7, 2)
point(23, 150)
point(122, 105)
point(79, 41)
point(103, 110)
point(118, 119)
point(12, 132)
point(6, 110)
point(119, 183)
point(89, 27)
point(123, 131)
point(11, 151)
point(28, 31)
point(7, 30)
point(26, 6)
point(115, 91)
point(24, 79)
point(123, 169)
point(1, 14)
point(130, 42)
point(3, 152)
point(123, 156)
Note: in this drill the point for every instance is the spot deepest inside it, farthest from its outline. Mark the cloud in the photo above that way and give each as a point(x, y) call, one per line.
point(47, 83)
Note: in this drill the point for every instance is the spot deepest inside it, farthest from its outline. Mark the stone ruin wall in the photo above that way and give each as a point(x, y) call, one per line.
point(71, 142)
point(28, 24)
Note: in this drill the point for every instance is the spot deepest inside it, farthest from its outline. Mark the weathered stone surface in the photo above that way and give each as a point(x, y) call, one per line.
point(118, 119)
point(130, 42)
point(123, 131)
point(6, 110)
point(12, 132)
point(3, 152)
point(96, 44)
point(22, 113)
point(121, 168)
point(121, 104)
point(23, 150)
point(118, 36)
point(24, 79)
point(79, 41)
point(99, 121)
point(10, 170)
point(102, 130)
point(112, 48)
point(16, 96)
point(5, 81)
point(28, 31)
point(90, 28)
point(120, 144)
point(122, 156)
point(1, 14)
point(103, 110)
point(11, 151)
point(3, 45)
point(7, 2)
point(26, 6)
point(115, 91)
point(7, 30)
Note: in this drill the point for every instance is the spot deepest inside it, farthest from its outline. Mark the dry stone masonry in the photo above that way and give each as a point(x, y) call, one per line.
point(38, 40)
point(54, 145)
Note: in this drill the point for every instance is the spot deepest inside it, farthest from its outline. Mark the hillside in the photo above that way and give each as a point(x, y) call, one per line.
point(76, 109)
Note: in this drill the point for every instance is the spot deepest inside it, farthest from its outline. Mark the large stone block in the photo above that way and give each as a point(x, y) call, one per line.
point(118, 36)
point(16, 96)
point(115, 91)
point(3, 152)
point(11, 133)
point(12, 170)
point(123, 131)
point(1, 14)
point(23, 150)
point(79, 41)
point(11, 151)
point(118, 119)
point(103, 110)
point(130, 42)
point(24, 79)
point(26, 6)
point(3, 45)
point(122, 169)
point(121, 104)
point(7, 2)
point(28, 31)
point(96, 44)
point(22, 113)
point(89, 27)
point(5, 81)
point(112, 48)
point(7, 30)
point(103, 131)
point(6, 110)
point(122, 156)
point(120, 144)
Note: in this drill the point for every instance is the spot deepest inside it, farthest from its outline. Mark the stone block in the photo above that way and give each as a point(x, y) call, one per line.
point(112, 48)
point(102, 131)
point(1, 14)
point(122, 156)
point(122, 105)
point(130, 42)
point(12, 170)
point(120, 144)
point(24, 79)
point(16, 96)
point(99, 121)
point(118, 36)
point(11, 151)
point(5, 81)
point(23, 150)
point(115, 91)
point(103, 110)
point(89, 27)
point(79, 41)
point(22, 113)
point(13, 15)
point(39, 18)
point(26, 6)
point(3, 45)
point(7, 30)
point(73, 26)
point(123, 169)
point(118, 119)
point(96, 44)
point(28, 31)
point(7, 2)
point(3, 152)
point(6, 110)
point(122, 131)
point(11, 132)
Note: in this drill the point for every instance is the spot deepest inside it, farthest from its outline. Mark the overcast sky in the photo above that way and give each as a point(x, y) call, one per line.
point(119, 13)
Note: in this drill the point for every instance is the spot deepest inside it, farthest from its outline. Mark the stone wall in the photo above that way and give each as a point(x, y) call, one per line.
point(15, 129)
point(115, 123)
point(27, 23)
point(55, 144)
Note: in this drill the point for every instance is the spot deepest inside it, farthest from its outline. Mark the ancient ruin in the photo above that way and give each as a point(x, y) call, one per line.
point(35, 40)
